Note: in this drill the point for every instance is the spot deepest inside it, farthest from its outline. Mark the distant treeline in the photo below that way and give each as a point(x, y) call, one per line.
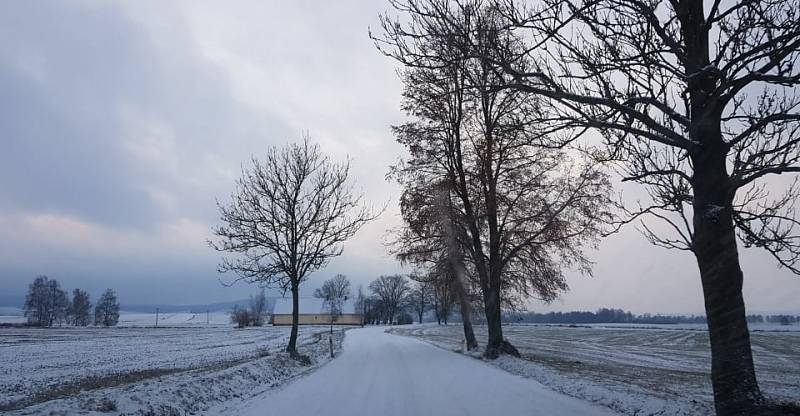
point(618, 316)
point(46, 304)
point(773, 319)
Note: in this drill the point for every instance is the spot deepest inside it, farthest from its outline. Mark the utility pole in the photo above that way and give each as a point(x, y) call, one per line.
point(207, 320)
point(156, 317)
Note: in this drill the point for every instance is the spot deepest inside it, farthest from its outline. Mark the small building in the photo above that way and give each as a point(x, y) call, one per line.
point(314, 311)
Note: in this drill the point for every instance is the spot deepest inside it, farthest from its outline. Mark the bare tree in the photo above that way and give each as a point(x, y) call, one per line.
point(288, 217)
point(258, 308)
point(46, 303)
point(37, 308)
point(81, 308)
point(106, 312)
point(697, 101)
point(522, 210)
point(62, 307)
point(334, 292)
point(392, 292)
point(375, 310)
point(420, 298)
point(336, 288)
point(455, 267)
point(361, 304)
point(427, 240)
point(443, 298)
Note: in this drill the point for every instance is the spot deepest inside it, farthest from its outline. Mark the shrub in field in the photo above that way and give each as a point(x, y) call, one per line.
point(104, 405)
point(241, 317)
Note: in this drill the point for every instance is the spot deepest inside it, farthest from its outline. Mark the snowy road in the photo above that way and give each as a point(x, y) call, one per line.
point(391, 375)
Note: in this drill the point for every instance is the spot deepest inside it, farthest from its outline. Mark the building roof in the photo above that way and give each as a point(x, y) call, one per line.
point(310, 306)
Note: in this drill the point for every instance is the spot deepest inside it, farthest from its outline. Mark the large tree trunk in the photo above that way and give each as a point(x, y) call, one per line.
point(733, 375)
point(466, 313)
point(493, 325)
point(496, 344)
point(736, 390)
point(292, 347)
point(460, 272)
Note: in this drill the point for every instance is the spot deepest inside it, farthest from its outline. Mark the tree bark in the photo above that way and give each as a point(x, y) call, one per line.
point(493, 324)
point(466, 315)
point(292, 347)
point(496, 344)
point(733, 377)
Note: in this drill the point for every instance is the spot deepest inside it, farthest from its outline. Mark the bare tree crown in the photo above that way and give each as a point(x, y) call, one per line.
point(671, 85)
point(289, 215)
point(522, 208)
point(334, 292)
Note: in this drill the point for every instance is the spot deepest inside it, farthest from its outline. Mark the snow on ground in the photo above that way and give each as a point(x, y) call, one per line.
point(176, 319)
point(11, 315)
point(761, 327)
point(163, 371)
point(635, 371)
point(390, 375)
point(188, 366)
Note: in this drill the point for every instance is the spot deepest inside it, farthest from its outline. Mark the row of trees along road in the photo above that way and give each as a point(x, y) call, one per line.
point(393, 299)
point(694, 100)
point(487, 193)
point(46, 304)
point(288, 216)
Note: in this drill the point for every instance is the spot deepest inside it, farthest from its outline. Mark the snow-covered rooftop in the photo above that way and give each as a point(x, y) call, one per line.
point(283, 306)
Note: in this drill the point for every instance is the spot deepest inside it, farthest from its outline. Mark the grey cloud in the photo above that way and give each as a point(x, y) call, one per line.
point(82, 86)
point(130, 118)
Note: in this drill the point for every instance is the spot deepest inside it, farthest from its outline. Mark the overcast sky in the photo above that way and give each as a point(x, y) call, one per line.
point(123, 121)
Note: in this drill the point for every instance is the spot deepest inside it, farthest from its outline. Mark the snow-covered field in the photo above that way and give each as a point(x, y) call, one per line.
point(636, 371)
point(165, 370)
point(762, 327)
point(175, 319)
point(194, 363)
point(11, 315)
